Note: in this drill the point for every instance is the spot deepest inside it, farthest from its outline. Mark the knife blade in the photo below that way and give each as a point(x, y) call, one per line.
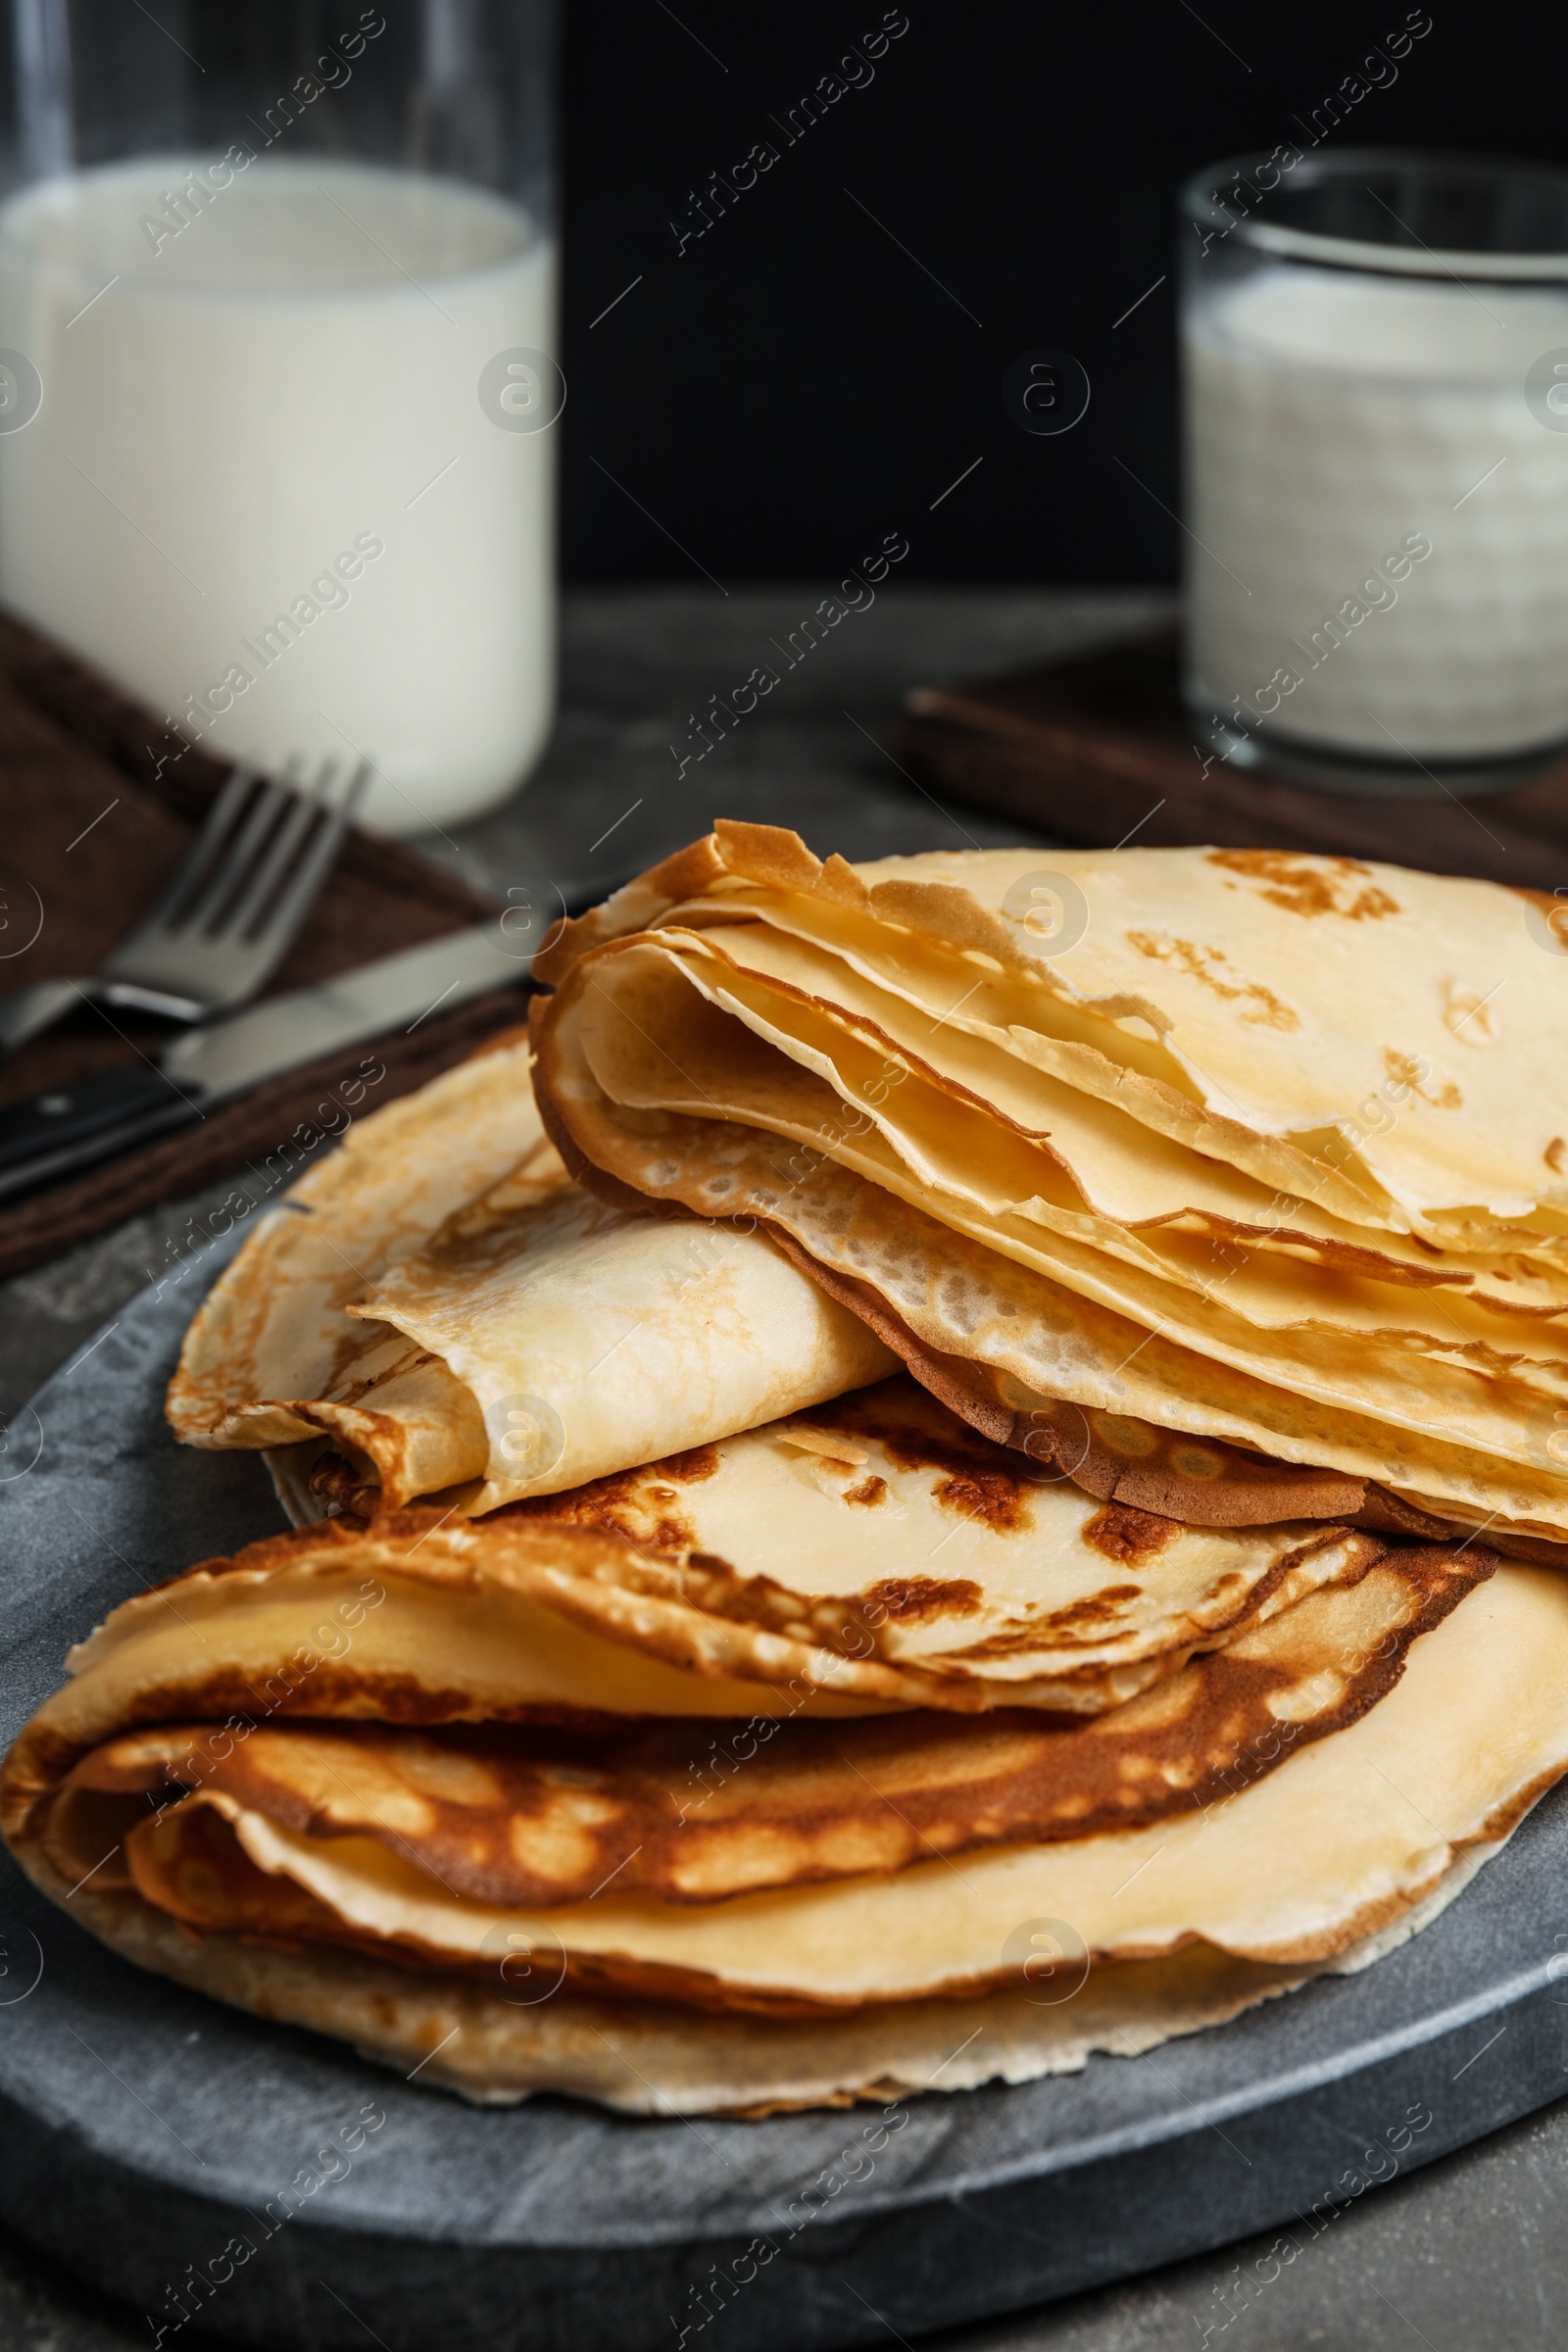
point(69, 1128)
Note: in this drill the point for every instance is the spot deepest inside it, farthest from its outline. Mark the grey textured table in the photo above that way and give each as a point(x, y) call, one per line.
point(1468, 2253)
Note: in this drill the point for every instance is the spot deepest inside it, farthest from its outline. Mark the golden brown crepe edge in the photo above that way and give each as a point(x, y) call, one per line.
point(658, 2060)
point(830, 1801)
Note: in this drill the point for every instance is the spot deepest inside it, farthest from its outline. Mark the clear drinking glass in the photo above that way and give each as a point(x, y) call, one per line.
point(1375, 353)
point(277, 311)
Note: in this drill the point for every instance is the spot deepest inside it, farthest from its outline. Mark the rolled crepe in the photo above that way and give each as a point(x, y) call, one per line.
point(447, 1306)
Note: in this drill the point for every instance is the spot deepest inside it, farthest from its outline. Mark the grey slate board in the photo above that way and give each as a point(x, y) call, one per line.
point(142, 2127)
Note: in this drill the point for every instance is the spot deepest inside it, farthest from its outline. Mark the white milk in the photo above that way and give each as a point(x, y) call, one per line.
point(1331, 419)
point(228, 497)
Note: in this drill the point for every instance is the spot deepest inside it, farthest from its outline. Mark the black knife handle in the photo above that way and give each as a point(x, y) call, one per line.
point(72, 1125)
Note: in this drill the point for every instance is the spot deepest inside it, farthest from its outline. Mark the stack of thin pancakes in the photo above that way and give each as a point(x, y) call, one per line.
point(668, 1697)
point(1253, 1145)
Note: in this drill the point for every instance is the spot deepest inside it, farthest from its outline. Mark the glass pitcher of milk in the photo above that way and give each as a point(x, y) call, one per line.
point(277, 317)
point(1375, 352)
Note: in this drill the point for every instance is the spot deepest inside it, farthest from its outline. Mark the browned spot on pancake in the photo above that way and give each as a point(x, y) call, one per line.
point(1259, 1005)
point(912, 1597)
point(1304, 888)
point(1405, 1070)
point(1021, 1640)
point(716, 1564)
point(982, 1481)
point(1107, 1603)
point(696, 1463)
point(1553, 1154)
point(992, 1498)
point(295, 1690)
point(623, 1505)
point(668, 1534)
point(1087, 1622)
point(870, 1490)
point(1130, 1535)
point(639, 1504)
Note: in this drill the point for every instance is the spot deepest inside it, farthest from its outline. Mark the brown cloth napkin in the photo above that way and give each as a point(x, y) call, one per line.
point(1099, 748)
point(89, 834)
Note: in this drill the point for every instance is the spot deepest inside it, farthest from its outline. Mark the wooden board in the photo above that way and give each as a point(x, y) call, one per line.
point(1100, 748)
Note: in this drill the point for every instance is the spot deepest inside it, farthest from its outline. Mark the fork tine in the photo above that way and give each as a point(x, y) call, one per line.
point(234, 867)
point(295, 903)
point(197, 861)
point(240, 918)
point(242, 891)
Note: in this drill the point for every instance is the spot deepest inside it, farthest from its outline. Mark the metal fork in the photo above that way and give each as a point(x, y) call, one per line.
point(229, 914)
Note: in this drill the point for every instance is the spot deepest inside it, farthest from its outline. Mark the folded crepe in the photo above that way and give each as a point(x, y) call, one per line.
point(1307, 988)
point(878, 1555)
point(1039, 1189)
point(529, 1815)
point(495, 2045)
point(858, 1060)
point(443, 1303)
point(1325, 1780)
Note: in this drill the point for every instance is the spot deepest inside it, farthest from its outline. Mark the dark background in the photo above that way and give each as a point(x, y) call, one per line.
point(794, 386)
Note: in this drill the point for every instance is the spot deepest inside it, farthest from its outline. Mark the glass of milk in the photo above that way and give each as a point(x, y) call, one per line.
point(1375, 352)
point(278, 385)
